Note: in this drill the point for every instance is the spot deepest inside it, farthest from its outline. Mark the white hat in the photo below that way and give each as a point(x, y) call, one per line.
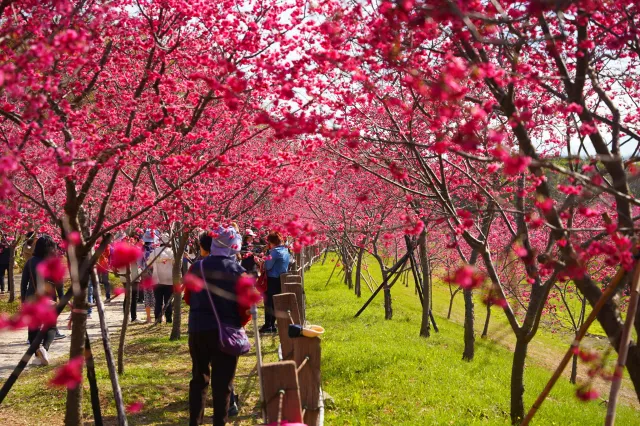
point(249, 232)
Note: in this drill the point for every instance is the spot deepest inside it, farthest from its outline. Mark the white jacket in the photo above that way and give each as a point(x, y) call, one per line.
point(162, 266)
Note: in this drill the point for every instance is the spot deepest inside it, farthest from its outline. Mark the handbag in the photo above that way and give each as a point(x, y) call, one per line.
point(232, 340)
point(261, 282)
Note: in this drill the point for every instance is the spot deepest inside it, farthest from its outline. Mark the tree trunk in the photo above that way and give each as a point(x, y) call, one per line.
point(469, 319)
point(125, 321)
point(517, 380)
point(176, 332)
point(93, 384)
point(177, 305)
point(108, 355)
point(485, 330)
point(358, 287)
point(574, 370)
point(451, 304)
point(11, 285)
point(425, 327)
point(73, 414)
point(388, 310)
point(469, 333)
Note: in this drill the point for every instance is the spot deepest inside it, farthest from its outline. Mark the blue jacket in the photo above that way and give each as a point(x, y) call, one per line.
point(223, 273)
point(279, 262)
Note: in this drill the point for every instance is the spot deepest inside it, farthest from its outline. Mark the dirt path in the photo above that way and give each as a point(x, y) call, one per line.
point(13, 344)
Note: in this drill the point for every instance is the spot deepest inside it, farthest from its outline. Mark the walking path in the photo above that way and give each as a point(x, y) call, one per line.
point(13, 344)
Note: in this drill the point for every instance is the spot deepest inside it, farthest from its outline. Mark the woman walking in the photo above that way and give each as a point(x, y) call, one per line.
point(215, 304)
point(33, 285)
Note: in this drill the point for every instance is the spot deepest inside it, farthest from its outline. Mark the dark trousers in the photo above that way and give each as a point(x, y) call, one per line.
point(162, 293)
point(103, 277)
point(134, 302)
point(273, 288)
point(48, 338)
point(3, 269)
point(209, 364)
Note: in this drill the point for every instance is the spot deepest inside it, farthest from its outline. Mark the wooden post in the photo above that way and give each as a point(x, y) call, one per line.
point(285, 304)
point(281, 377)
point(283, 277)
point(296, 288)
point(293, 278)
point(306, 353)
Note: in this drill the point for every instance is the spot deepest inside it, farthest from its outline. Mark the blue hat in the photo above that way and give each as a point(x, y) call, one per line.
point(149, 237)
point(225, 241)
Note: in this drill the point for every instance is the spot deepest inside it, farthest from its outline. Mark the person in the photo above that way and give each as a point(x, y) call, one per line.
point(29, 246)
point(135, 269)
point(277, 264)
point(209, 364)
point(146, 296)
point(103, 272)
point(204, 242)
point(248, 251)
point(5, 254)
point(163, 279)
point(187, 259)
point(32, 283)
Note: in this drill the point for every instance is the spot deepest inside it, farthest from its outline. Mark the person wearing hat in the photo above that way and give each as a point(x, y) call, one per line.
point(248, 251)
point(277, 264)
point(209, 364)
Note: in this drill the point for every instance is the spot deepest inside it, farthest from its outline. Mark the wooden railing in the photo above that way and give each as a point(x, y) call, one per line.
point(291, 387)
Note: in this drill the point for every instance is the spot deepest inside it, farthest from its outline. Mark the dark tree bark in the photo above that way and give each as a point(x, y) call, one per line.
point(469, 333)
point(177, 296)
point(485, 330)
point(388, 309)
point(574, 369)
point(453, 295)
point(425, 326)
point(93, 383)
point(469, 318)
point(517, 380)
point(125, 321)
point(358, 287)
point(73, 412)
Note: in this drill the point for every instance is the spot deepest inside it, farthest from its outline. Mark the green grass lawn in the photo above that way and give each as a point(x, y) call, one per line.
point(157, 373)
point(378, 372)
point(382, 373)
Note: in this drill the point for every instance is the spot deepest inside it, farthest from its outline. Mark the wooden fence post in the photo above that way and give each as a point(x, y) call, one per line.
point(306, 352)
point(283, 278)
point(296, 288)
point(281, 377)
point(293, 279)
point(286, 310)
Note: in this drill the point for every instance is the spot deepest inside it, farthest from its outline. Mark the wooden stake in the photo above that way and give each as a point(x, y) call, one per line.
point(306, 354)
point(286, 305)
point(281, 376)
point(624, 349)
point(296, 288)
point(606, 295)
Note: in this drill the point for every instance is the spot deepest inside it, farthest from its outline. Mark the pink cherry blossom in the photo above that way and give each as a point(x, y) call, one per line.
point(70, 374)
point(52, 269)
point(124, 254)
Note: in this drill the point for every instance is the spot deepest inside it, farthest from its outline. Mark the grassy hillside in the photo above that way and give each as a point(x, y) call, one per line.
point(382, 372)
